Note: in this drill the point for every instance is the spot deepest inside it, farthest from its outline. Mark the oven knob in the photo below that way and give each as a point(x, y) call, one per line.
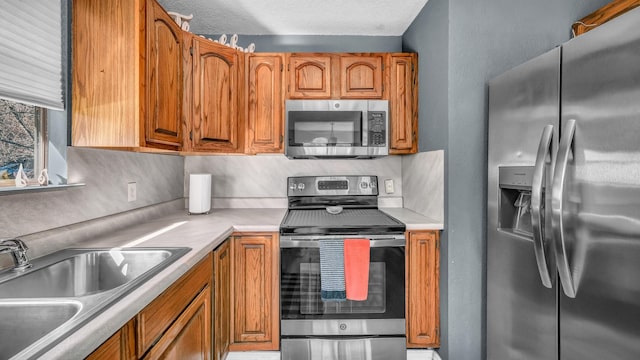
point(292, 186)
point(364, 185)
point(343, 326)
point(301, 186)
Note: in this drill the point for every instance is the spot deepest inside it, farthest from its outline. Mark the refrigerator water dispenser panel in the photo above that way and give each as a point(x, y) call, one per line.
point(514, 205)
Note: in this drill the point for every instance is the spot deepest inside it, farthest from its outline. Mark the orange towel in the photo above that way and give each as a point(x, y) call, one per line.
point(356, 268)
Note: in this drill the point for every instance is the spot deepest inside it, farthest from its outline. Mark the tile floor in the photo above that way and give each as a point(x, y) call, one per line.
point(275, 355)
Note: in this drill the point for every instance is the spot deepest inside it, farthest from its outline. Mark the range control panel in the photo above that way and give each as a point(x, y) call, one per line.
point(332, 185)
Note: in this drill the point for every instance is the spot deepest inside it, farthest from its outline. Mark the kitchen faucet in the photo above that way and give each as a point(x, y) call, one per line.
point(18, 250)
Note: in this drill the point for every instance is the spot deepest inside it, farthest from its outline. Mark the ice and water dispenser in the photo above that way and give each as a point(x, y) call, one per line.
point(514, 207)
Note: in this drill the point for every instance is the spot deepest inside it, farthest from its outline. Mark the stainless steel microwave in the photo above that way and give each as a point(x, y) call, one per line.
point(336, 129)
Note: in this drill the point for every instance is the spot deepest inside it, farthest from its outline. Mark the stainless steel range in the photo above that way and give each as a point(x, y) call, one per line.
point(343, 208)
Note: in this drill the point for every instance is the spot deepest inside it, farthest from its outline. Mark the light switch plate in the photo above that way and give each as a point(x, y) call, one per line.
point(388, 186)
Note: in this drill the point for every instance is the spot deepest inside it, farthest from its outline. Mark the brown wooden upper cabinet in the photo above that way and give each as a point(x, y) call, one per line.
point(127, 76)
point(403, 103)
point(309, 76)
point(265, 77)
point(164, 78)
point(361, 76)
point(335, 76)
point(216, 121)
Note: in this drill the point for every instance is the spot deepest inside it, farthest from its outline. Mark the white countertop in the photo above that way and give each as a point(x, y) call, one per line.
point(413, 220)
point(201, 233)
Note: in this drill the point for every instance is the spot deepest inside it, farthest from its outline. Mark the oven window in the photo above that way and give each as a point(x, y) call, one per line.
point(300, 287)
point(311, 303)
point(325, 128)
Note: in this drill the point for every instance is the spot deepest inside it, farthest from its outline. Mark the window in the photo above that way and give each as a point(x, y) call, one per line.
point(34, 70)
point(21, 140)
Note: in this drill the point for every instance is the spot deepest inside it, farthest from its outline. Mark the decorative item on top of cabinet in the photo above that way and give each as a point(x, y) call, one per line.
point(222, 300)
point(216, 122)
point(256, 292)
point(361, 76)
point(403, 103)
point(127, 92)
point(309, 76)
point(423, 289)
point(120, 346)
point(266, 102)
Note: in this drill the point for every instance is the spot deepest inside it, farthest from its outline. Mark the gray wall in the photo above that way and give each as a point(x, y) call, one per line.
point(159, 178)
point(319, 43)
point(485, 38)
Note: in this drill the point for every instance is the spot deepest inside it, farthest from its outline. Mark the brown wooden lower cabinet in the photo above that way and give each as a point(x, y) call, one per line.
point(176, 325)
point(120, 346)
point(423, 289)
point(190, 335)
point(256, 295)
point(222, 300)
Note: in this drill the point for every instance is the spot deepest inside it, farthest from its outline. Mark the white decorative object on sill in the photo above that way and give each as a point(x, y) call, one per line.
point(223, 39)
point(43, 179)
point(181, 20)
point(234, 41)
point(21, 177)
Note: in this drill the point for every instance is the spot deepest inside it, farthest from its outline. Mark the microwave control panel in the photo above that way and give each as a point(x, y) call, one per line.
point(377, 128)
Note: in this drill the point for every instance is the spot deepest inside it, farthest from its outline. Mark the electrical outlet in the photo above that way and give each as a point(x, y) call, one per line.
point(388, 186)
point(131, 191)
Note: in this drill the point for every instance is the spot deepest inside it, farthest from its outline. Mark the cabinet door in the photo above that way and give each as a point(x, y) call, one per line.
point(361, 77)
point(120, 346)
point(156, 318)
point(189, 336)
point(164, 83)
point(423, 289)
point(222, 300)
point(256, 292)
point(266, 102)
point(403, 104)
point(215, 117)
point(309, 76)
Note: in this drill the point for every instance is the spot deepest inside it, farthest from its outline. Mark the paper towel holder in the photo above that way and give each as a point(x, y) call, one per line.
point(199, 194)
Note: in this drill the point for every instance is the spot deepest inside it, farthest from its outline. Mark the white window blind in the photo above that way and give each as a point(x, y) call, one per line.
point(31, 52)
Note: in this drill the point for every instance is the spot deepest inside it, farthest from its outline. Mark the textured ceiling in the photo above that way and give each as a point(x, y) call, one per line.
point(298, 17)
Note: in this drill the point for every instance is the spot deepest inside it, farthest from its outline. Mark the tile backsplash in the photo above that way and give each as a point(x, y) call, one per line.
point(423, 182)
point(265, 176)
point(159, 178)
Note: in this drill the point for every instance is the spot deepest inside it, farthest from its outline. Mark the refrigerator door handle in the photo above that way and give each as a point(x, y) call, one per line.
point(537, 200)
point(557, 219)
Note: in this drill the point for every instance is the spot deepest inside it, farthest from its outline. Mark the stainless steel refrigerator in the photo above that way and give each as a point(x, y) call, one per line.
point(563, 221)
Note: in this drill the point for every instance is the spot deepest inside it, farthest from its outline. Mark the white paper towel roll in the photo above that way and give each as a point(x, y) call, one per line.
point(199, 193)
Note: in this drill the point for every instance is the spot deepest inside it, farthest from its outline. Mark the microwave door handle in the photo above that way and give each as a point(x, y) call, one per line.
point(557, 218)
point(544, 151)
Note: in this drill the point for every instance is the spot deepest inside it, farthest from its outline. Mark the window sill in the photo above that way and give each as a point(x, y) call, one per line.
point(36, 188)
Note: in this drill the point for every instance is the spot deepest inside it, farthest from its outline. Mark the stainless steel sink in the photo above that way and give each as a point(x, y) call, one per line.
point(84, 273)
point(64, 290)
point(24, 322)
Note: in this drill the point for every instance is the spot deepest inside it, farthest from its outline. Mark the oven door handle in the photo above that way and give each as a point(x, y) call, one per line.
point(377, 243)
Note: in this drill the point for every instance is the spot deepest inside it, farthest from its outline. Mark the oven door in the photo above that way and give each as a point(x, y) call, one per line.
point(303, 313)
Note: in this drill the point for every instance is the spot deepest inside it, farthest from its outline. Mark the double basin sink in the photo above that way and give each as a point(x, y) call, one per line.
point(63, 291)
